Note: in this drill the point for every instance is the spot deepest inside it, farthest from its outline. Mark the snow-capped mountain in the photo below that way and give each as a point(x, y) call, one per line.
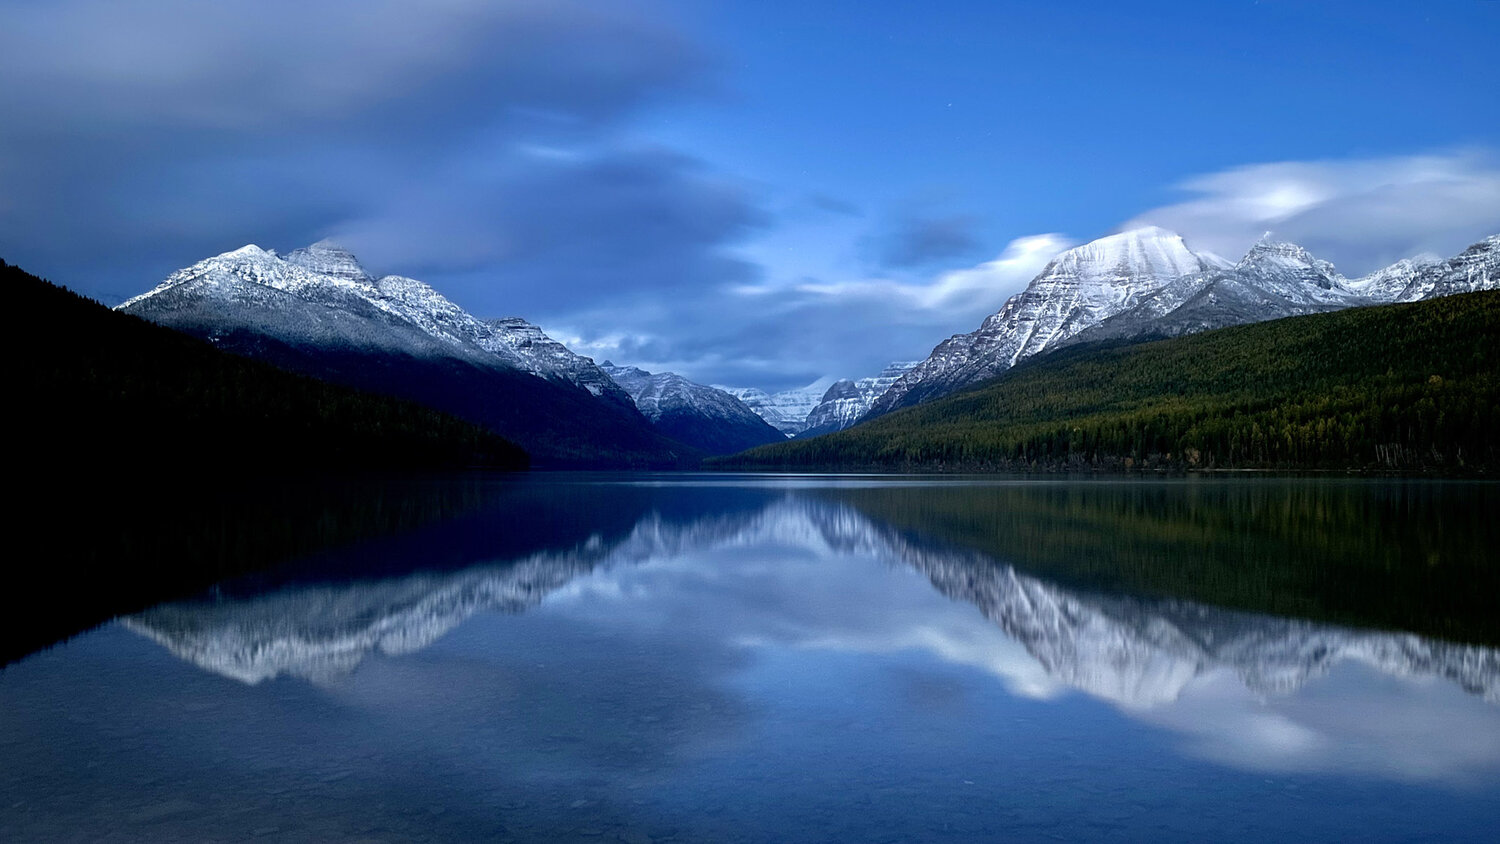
point(701, 416)
point(848, 400)
point(1475, 268)
point(1136, 652)
point(1147, 283)
point(787, 410)
point(328, 258)
point(550, 359)
point(325, 277)
point(1079, 288)
point(1273, 280)
point(293, 301)
point(318, 311)
point(1395, 283)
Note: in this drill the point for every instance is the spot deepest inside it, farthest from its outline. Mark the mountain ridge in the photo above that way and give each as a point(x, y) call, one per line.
point(1146, 283)
point(702, 416)
point(318, 312)
point(1410, 386)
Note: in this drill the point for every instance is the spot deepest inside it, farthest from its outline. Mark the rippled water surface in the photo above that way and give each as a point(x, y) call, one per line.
point(764, 659)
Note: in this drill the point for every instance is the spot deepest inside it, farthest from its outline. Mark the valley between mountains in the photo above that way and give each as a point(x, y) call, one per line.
point(1130, 352)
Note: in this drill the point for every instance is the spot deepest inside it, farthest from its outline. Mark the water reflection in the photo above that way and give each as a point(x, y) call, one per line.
point(1226, 679)
point(672, 659)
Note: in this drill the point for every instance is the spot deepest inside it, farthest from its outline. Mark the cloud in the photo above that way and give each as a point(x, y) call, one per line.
point(274, 66)
point(782, 335)
point(1361, 214)
point(917, 240)
point(549, 233)
point(141, 136)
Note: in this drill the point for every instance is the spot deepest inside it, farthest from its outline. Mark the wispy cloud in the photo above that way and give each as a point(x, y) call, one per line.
point(780, 335)
point(1361, 214)
point(990, 282)
point(142, 136)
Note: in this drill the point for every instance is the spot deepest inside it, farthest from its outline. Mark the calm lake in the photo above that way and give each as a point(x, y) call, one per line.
point(680, 658)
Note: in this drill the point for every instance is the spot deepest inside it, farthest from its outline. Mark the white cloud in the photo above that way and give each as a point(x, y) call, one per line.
point(990, 282)
point(1359, 213)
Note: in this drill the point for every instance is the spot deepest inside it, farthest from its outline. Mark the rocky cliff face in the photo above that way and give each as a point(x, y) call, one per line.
point(849, 400)
point(550, 359)
point(787, 410)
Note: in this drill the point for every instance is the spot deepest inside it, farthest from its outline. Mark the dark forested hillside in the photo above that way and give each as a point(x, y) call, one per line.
point(89, 387)
point(1395, 387)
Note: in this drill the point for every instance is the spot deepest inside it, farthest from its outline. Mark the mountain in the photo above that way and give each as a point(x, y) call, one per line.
point(124, 392)
point(847, 401)
point(1409, 386)
point(701, 416)
point(1273, 280)
point(1079, 288)
point(1147, 284)
point(787, 410)
point(1476, 268)
point(553, 361)
point(318, 312)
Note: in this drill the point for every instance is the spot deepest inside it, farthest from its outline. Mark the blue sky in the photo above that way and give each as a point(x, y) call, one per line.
point(749, 193)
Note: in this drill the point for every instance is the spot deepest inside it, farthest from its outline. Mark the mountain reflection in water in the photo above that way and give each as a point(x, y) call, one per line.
point(1138, 652)
point(674, 658)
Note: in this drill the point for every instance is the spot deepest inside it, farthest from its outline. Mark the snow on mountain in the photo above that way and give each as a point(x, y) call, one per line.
point(335, 303)
point(1395, 283)
point(319, 297)
point(1288, 269)
point(846, 401)
point(318, 312)
point(1476, 268)
point(1275, 279)
point(787, 410)
point(697, 414)
point(1135, 652)
point(328, 258)
point(254, 291)
point(1146, 283)
point(550, 359)
point(1079, 288)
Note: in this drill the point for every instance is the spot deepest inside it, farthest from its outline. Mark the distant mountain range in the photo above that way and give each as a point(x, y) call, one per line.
point(1411, 386)
point(846, 402)
point(824, 406)
point(786, 411)
point(319, 312)
point(701, 416)
point(1140, 284)
point(1146, 283)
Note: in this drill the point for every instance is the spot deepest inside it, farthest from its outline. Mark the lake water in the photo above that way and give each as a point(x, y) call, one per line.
point(643, 658)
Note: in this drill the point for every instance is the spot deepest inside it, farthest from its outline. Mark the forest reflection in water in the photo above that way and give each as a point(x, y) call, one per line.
point(667, 636)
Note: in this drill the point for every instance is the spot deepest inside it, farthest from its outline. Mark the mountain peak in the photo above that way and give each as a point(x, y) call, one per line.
point(249, 250)
point(1148, 251)
point(1270, 255)
point(329, 258)
point(1268, 247)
